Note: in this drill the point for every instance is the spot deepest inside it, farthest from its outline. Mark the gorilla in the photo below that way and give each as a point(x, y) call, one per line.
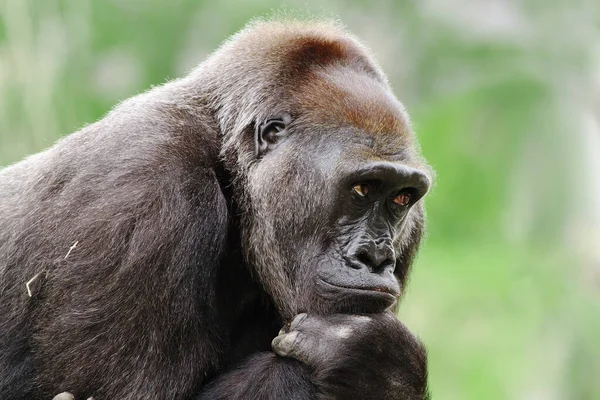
point(156, 254)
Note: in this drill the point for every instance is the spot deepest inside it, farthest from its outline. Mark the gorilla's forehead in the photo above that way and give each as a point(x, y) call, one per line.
point(341, 96)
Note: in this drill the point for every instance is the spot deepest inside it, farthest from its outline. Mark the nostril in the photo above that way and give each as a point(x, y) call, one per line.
point(363, 258)
point(389, 264)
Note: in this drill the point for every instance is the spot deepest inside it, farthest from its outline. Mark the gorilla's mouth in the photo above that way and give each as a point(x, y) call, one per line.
point(382, 291)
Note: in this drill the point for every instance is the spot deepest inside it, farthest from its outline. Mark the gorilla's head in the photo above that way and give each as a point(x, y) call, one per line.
point(328, 176)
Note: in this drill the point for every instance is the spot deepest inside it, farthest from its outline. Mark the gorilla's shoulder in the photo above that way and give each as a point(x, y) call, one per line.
point(164, 125)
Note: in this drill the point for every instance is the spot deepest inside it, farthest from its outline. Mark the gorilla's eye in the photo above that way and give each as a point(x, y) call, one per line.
point(361, 189)
point(403, 198)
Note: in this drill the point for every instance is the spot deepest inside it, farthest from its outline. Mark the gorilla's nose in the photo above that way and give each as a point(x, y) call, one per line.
point(377, 255)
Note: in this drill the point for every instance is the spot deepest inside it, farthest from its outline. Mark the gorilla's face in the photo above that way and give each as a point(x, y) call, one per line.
point(373, 207)
point(335, 207)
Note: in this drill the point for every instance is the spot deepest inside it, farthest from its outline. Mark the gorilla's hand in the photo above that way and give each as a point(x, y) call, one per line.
point(357, 356)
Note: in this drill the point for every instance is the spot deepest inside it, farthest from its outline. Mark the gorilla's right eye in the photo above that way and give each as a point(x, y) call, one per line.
point(361, 189)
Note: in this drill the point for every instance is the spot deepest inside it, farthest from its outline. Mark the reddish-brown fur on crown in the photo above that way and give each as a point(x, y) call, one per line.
point(319, 68)
point(307, 53)
point(332, 77)
point(340, 96)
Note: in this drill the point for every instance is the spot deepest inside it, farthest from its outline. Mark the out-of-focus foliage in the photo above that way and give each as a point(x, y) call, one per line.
point(504, 96)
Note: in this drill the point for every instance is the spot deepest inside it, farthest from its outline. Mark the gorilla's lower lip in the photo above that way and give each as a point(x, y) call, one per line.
point(378, 290)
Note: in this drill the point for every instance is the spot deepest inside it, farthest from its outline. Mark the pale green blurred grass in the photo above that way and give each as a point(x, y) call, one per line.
point(504, 97)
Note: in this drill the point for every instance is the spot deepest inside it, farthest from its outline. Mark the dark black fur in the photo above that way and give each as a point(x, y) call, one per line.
point(166, 253)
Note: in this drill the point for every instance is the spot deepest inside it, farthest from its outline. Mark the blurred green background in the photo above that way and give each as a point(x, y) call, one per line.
point(505, 97)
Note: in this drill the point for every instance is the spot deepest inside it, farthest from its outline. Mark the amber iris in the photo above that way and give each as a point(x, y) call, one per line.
point(402, 199)
point(361, 189)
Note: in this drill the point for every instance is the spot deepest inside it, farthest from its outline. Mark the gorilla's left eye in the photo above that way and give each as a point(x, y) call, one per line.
point(403, 198)
point(361, 189)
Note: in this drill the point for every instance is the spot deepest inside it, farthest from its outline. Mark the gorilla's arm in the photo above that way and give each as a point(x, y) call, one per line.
point(330, 357)
point(263, 376)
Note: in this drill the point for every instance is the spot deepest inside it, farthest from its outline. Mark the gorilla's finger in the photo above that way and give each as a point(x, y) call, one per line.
point(298, 319)
point(284, 345)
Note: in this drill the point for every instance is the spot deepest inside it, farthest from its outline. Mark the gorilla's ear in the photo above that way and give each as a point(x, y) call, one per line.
point(269, 133)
